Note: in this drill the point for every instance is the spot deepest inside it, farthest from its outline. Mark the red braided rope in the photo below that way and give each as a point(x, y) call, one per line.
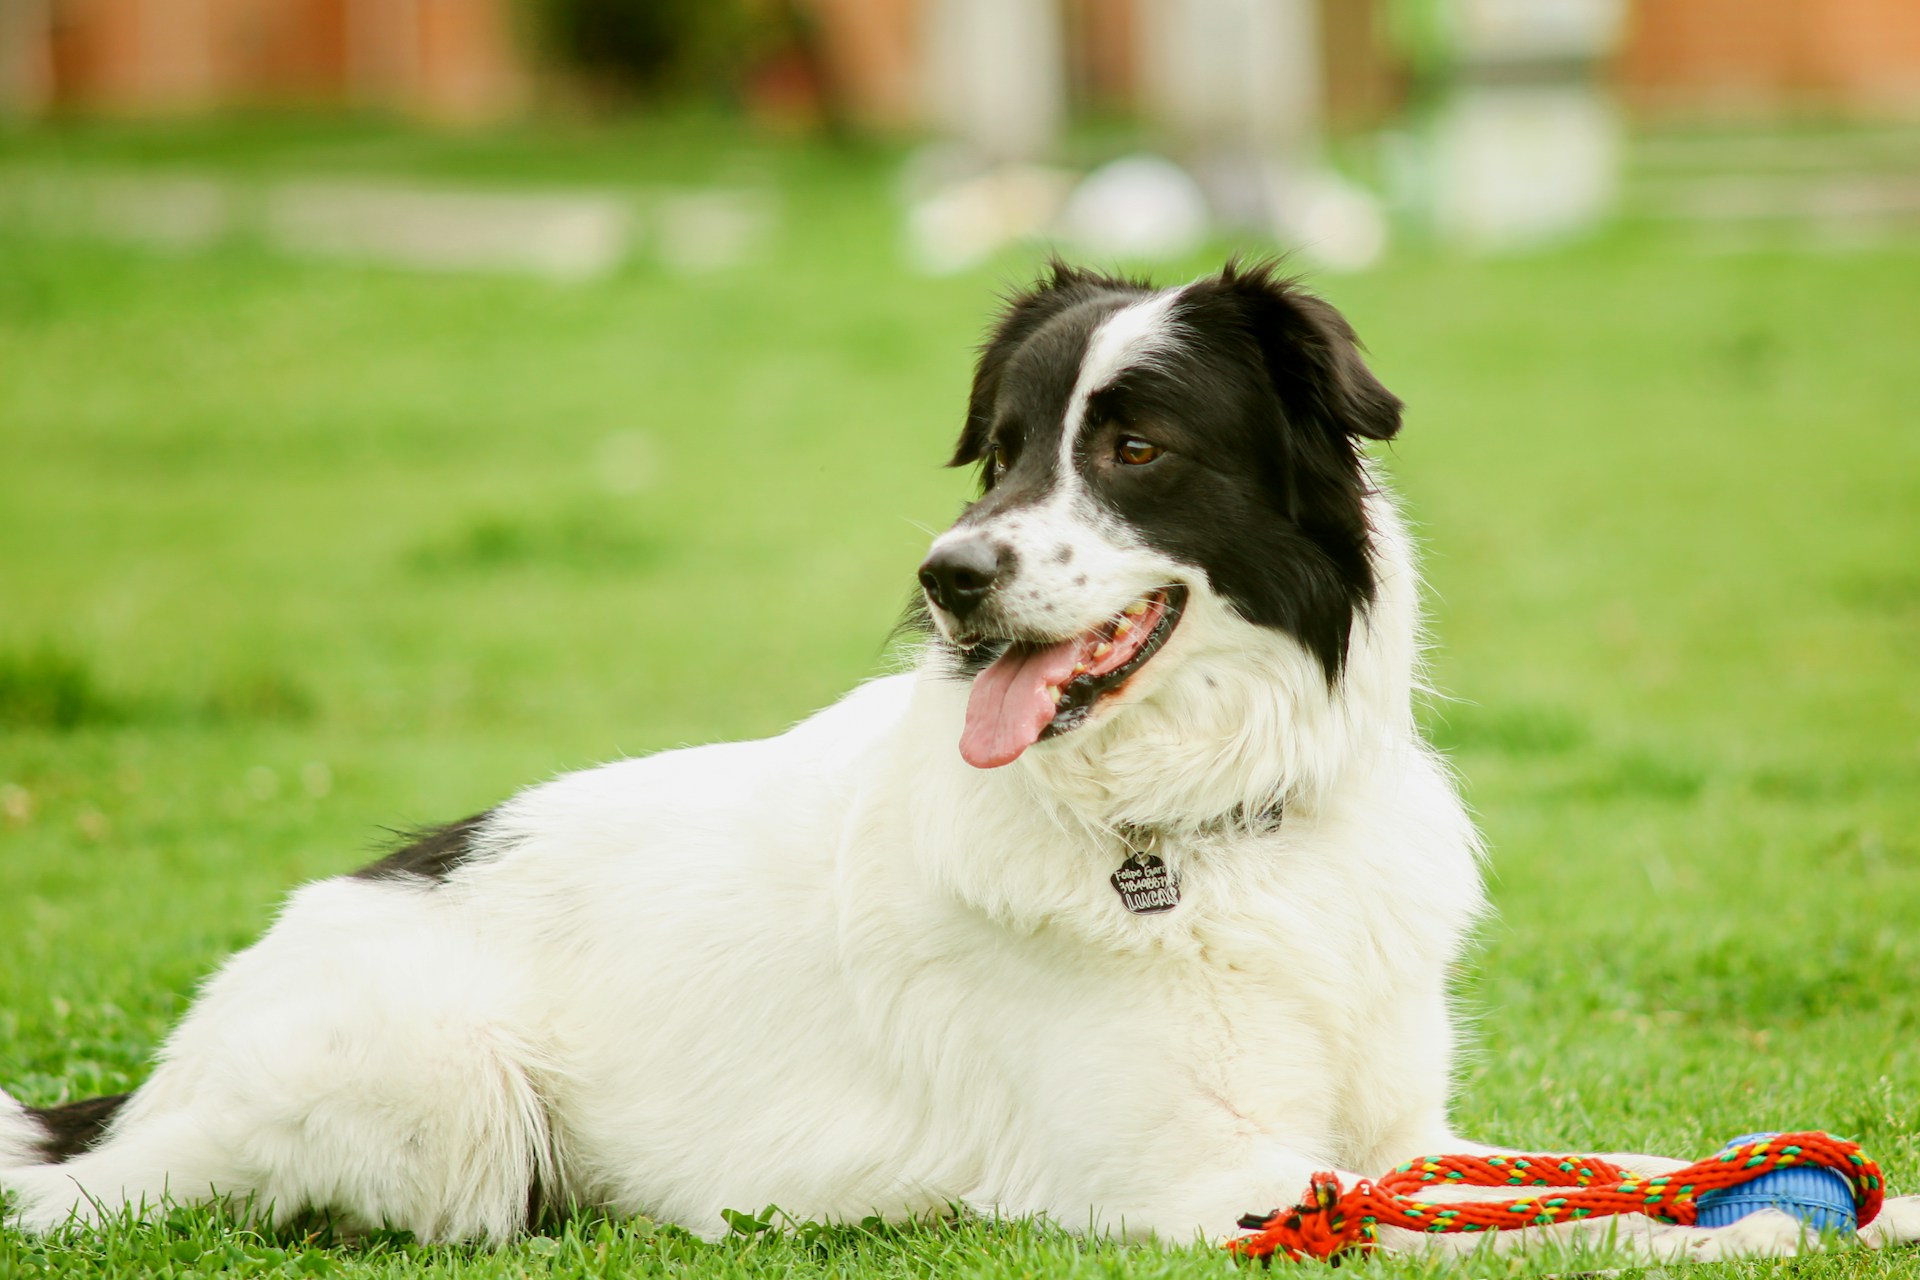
point(1333, 1219)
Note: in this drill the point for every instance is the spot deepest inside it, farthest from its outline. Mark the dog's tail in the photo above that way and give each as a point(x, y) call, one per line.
point(49, 1135)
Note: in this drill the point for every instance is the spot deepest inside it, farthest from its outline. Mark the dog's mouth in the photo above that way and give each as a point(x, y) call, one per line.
point(1040, 689)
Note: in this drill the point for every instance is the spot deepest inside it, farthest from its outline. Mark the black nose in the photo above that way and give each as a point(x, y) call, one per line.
point(959, 575)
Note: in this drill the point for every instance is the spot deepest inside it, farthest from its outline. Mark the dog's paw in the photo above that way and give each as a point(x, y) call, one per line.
point(1898, 1222)
point(1766, 1234)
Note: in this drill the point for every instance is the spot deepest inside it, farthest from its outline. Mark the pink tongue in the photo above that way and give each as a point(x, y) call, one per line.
point(1009, 705)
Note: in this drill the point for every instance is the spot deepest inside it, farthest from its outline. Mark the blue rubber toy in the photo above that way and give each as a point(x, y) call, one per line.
point(1818, 1197)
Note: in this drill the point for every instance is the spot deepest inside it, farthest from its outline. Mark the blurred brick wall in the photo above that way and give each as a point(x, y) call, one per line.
point(287, 50)
point(445, 60)
point(127, 55)
point(871, 52)
point(476, 60)
point(1101, 35)
point(1364, 81)
point(1760, 55)
point(466, 61)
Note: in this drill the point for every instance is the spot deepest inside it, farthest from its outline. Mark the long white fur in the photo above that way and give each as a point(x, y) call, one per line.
point(843, 972)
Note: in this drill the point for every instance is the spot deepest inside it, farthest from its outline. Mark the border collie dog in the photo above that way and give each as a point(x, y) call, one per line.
point(1131, 906)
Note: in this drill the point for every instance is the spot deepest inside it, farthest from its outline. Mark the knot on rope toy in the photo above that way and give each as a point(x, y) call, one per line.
point(1327, 1222)
point(1332, 1220)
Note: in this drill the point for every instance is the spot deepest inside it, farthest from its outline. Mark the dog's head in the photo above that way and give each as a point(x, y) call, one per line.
point(1170, 479)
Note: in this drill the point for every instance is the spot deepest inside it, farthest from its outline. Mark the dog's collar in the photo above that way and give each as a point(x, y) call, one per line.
point(1145, 837)
point(1146, 885)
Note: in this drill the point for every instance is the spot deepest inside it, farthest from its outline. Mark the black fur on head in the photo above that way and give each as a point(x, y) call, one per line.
point(1023, 313)
point(1310, 571)
point(1258, 398)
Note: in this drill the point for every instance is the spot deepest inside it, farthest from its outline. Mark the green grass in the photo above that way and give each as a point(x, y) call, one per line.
point(292, 553)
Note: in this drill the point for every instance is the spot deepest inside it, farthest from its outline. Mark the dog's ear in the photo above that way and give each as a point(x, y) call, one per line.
point(1311, 354)
point(1022, 312)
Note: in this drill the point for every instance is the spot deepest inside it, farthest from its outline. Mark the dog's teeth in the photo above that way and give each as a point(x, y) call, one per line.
point(1080, 670)
point(1053, 693)
point(1135, 609)
point(1122, 629)
point(1101, 650)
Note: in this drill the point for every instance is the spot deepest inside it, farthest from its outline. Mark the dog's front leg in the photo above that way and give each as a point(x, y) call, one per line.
point(1629, 1238)
point(1642, 1240)
point(1181, 1207)
point(1632, 1237)
point(1177, 1194)
point(1898, 1222)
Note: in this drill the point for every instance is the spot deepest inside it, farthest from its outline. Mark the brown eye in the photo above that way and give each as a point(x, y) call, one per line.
point(999, 462)
point(1136, 452)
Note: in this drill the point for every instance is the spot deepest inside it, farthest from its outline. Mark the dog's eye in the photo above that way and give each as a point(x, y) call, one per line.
point(999, 461)
point(1136, 452)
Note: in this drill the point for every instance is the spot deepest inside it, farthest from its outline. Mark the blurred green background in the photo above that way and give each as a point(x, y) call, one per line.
point(297, 547)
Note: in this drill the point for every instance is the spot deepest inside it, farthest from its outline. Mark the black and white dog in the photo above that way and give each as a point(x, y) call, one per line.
point(1131, 906)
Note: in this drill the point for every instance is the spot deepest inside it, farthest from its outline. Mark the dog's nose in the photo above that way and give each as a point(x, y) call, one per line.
point(959, 575)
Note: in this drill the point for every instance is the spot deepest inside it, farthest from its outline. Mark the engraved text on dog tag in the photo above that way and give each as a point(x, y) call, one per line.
point(1145, 886)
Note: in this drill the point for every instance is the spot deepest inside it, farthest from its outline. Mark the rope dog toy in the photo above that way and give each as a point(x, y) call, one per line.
point(1825, 1181)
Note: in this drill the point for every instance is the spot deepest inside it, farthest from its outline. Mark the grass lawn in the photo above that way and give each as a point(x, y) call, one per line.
point(293, 552)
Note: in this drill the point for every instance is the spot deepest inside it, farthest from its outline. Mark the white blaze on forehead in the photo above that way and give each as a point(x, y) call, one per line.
point(1078, 566)
point(1131, 336)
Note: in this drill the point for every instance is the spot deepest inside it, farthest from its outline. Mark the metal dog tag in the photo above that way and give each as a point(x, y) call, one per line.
point(1145, 886)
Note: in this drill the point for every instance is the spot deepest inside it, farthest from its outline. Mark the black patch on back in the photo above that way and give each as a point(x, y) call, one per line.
point(432, 853)
point(73, 1128)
